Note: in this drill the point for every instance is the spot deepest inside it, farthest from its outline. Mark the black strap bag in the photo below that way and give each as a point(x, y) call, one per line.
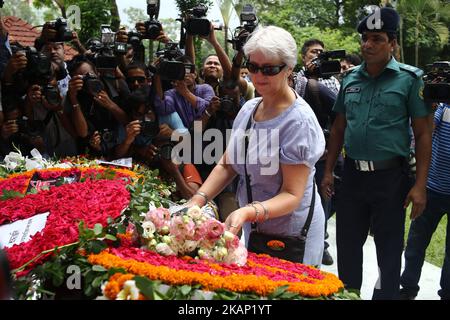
point(289, 248)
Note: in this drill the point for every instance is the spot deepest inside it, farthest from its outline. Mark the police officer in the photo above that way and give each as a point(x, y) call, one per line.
point(375, 105)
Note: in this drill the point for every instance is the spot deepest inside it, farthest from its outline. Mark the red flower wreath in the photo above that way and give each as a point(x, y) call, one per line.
point(92, 201)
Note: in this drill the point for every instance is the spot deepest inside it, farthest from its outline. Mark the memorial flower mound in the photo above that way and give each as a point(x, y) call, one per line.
point(150, 254)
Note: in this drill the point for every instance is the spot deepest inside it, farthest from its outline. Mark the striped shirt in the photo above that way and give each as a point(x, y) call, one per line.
point(439, 175)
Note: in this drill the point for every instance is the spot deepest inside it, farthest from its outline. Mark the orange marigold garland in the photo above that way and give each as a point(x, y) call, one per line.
point(262, 275)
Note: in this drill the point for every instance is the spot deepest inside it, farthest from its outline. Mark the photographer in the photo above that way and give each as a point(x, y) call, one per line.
point(148, 139)
point(187, 98)
point(44, 103)
point(19, 132)
point(5, 50)
point(89, 106)
point(311, 50)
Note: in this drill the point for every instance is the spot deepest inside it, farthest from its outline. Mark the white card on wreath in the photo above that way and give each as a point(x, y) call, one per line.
point(21, 231)
point(124, 162)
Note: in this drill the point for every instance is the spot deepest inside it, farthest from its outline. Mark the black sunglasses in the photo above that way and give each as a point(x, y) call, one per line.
point(265, 70)
point(134, 79)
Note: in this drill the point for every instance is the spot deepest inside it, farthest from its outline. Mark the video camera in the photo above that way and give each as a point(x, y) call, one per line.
point(324, 66)
point(249, 22)
point(92, 85)
point(153, 27)
point(197, 24)
point(106, 49)
point(168, 68)
point(38, 72)
point(437, 82)
point(63, 33)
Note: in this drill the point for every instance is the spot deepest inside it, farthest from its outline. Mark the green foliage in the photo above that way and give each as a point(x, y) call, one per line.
point(185, 5)
point(20, 9)
point(10, 194)
point(93, 14)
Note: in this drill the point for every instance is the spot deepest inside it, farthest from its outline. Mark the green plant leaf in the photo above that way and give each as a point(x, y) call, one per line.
point(110, 237)
point(98, 229)
point(99, 268)
point(145, 285)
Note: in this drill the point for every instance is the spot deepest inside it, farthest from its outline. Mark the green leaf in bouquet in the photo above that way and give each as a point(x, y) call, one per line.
point(10, 194)
point(121, 229)
point(278, 292)
point(110, 237)
point(146, 287)
point(99, 268)
point(96, 246)
point(98, 229)
point(185, 290)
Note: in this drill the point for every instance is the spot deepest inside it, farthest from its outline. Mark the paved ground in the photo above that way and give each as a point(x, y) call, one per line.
point(429, 282)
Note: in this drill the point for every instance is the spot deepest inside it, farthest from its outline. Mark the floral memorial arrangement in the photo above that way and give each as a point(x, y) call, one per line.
point(117, 227)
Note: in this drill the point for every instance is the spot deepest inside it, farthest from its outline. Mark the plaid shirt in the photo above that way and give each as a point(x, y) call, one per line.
point(331, 83)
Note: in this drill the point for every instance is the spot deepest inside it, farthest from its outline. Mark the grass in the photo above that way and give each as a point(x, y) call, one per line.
point(436, 249)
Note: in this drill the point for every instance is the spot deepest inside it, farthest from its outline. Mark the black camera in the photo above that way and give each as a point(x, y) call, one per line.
point(165, 151)
point(149, 129)
point(437, 82)
point(153, 27)
point(325, 67)
point(51, 94)
point(134, 38)
point(39, 66)
point(94, 45)
point(227, 104)
point(197, 24)
point(31, 128)
point(108, 140)
point(249, 22)
point(63, 33)
point(168, 68)
point(92, 85)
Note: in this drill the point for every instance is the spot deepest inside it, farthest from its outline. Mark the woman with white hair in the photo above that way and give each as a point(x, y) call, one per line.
point(276, 164)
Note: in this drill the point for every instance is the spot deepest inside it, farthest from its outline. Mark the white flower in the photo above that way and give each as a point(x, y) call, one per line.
point(32, 164)
point(129, 291)
point(228, 236)
point(12, 160)
point(220, 253)
point(195, 212)
point(149, 229)
point(164, 249)
point(189, 245)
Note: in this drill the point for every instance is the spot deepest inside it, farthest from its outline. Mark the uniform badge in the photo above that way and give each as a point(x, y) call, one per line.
point(421, 92)
point(353, 90)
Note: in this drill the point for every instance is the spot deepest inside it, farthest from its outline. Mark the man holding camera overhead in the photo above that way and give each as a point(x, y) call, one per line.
point(311, 51)
point(375, 105)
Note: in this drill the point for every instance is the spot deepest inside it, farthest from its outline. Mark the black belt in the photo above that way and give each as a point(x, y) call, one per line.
point(367, 165)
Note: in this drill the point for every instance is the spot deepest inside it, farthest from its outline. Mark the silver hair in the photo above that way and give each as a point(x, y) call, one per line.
point(273, 42)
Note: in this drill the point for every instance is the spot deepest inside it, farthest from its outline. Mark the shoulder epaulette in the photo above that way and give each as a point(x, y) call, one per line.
point(416, 72)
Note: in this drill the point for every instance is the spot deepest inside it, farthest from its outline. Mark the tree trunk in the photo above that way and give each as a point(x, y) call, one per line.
point(416, 50)
point(61, 7)
point(115, 17)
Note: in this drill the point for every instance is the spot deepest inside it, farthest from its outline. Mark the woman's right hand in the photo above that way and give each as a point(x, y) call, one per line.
point(75, 85)
point(236, 219)
point(34, 94)
point(133, 130)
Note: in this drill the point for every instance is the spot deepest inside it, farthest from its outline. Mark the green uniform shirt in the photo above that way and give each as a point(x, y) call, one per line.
point(378, 110)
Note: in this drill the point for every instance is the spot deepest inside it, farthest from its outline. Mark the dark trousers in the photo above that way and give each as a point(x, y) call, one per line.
point(420, 233)
point(375, 200)
point(326, 203)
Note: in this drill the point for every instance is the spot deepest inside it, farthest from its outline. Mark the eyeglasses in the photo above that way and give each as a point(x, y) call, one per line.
point(265, 70)
point(138, 79)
